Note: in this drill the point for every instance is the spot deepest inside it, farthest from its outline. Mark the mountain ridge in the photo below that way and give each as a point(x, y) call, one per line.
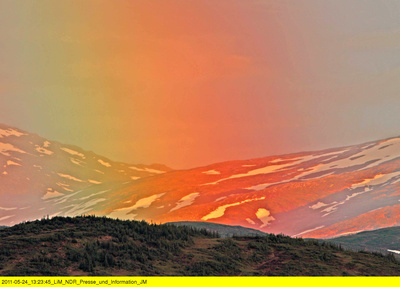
point(34, 169)
point(317, 194)
point(222, 229)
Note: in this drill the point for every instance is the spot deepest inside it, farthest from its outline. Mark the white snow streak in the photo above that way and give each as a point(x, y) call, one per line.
point(309, 230)
point(220, 211)
point(250, 221)
point(147, 169)
point(76, 161)
point(69, 177)
point(8, 208)
point(84, 207)
point(123, 213)
point(106, 164)
point(10, 162)
point(73, 152)
point(51, 194)
point(6, 217)
point(211, 172)
point(95, 194)
point(185, 201)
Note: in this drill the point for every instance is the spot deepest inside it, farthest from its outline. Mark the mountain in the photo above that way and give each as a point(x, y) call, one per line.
point(94, 246)
point(34, 170)
point(317, 194)
point(222, 229)
point(384, 240)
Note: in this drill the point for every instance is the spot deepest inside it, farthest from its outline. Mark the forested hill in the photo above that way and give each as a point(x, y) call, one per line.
point(102, 246)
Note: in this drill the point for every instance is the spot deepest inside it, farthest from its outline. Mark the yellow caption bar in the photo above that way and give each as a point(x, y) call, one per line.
point(198, 281)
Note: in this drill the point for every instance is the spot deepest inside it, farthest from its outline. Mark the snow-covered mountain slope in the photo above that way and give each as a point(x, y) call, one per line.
point(310, 194)
point(34, 170)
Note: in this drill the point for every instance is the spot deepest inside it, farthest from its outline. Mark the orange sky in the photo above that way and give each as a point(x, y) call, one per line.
point(188, 83)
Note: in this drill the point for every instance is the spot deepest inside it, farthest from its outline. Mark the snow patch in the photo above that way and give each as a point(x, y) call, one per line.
point(10, 162)
point(6, 147)
point(273, 168)
point(94, 181)
point(123, 213)
point(318, 205)
point(309, 230)
point(52, 194)
point(106, 164)
point(8, 208)
point(220, 211)
point(73, 152)
point(278, 160)
point(264, 215)
point(147, 169)
point(70, 177)
point(43, 150)
point(66, 188)
point(65, 197)
point(212, 171)
point(377, 179)
point(84, 207)
point(6, 217)
point(76, 161)
point(375, 153)
point(94, 194)
point(334, 205)
point(185, 201)
point(10, 132)
point(250, 221)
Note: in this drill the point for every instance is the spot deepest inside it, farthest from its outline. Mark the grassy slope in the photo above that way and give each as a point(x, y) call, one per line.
point(377, 240)
point(102, 246)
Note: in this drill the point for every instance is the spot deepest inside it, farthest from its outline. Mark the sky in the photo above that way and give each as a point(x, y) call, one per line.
point(190, 83)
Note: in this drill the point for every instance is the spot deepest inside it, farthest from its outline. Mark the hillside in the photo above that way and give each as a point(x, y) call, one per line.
point(320, 194)
point(380, 240)
point(316, 194)
point(34, 170)
point(222, 229)
point(102, 246)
